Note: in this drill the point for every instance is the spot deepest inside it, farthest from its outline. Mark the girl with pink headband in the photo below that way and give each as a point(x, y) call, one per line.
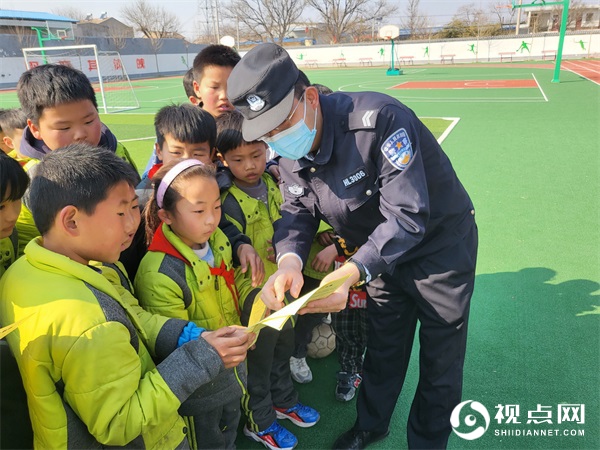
point(188, 274)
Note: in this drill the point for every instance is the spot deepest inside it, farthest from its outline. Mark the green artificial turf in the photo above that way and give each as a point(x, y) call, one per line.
point(530, 160)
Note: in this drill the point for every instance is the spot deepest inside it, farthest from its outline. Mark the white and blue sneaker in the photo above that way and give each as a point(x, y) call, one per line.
point(299, 414)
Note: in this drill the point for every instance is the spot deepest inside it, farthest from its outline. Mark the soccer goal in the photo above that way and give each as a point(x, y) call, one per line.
point(105, 70)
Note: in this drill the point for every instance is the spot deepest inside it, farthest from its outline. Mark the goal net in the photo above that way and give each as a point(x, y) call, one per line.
point(105, 70)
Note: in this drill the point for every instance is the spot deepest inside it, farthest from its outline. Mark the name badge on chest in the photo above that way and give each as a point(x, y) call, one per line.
point(356, 176)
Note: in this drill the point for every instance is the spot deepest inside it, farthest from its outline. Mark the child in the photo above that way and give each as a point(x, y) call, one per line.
point(313, 272)
point(252, 203)
point(12, 123)
point(182, 131)
point(212, 67)
point(16, 426)
point(350, 324)
point(188, 274)
point(13, 184)
point(188, 86)
point(3, 147)
point(86, 367)
point(185, 131)
point(61, 109)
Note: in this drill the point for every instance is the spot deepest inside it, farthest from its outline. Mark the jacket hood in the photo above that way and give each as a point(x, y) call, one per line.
point(37, 149)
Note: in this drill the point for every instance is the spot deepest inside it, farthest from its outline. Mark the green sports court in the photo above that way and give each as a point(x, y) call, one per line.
point(527, 150)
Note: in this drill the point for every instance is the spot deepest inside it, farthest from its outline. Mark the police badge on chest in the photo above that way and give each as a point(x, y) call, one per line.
point(296, 190)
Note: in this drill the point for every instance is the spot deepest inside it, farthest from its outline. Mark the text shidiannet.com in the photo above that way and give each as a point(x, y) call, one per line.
point(470, 420)
point(541, 432)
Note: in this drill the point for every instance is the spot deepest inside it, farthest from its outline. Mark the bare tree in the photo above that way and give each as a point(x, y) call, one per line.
point(341, 17)
point(503, 12)
point(413, 20)
point(118, 37)
point(472, 21)
point(273, 18)
point(25, 35)
point(154, 22)
point(576, 11)
point(72, 12)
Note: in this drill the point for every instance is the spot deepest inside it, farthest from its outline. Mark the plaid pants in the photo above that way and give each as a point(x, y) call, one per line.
point(350, 327)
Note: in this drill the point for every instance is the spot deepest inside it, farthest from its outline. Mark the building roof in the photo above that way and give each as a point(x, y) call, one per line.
point(33, 15)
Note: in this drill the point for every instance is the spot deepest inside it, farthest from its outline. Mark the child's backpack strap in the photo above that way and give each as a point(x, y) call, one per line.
point(14, 239)
point(232, 208)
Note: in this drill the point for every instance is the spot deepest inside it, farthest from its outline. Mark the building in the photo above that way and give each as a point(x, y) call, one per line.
point(103, 27)
point(32, 28)
point(548, 18)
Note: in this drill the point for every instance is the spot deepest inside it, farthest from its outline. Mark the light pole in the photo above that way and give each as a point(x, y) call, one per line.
point(373, 20)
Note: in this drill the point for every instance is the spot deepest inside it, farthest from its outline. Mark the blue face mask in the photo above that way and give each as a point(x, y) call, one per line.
point(295, 142)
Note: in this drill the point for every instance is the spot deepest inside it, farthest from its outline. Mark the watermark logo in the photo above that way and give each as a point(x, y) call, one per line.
point(470, 420)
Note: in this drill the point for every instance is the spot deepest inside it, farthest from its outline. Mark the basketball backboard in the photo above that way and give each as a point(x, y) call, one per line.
point(389, 32)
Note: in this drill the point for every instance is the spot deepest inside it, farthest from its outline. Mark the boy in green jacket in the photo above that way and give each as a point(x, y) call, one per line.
point(252, 203)
point(61, 109)
point(85, 352)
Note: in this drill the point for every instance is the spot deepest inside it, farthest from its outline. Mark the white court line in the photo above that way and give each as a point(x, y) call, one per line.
point(138, 139)
point(406, 99)
point(541, 90)
point(579, 74)
point(449, 129)
point(591, 66)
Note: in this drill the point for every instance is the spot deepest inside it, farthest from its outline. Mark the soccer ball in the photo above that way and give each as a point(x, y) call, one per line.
point(323, 341)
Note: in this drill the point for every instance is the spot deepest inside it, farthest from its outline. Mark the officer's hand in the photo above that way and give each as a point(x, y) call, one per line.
point(336, 302)
point(248, 257)
point(231, 343)
point(287, 278)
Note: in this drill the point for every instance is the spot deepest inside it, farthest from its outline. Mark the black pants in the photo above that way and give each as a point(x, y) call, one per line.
point(216, 428)
point(269, 379)
point(14, 415)
point(436, 291)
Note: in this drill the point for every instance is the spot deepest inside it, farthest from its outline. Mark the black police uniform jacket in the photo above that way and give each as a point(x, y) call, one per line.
point(380, 179)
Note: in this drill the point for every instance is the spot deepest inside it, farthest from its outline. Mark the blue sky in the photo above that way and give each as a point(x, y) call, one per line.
point(190, 12)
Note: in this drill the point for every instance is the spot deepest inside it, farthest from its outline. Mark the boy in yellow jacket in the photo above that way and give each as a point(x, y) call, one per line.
point(85, 353)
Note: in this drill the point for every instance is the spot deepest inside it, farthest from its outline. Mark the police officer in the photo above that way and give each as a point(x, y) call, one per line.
point(365, 164)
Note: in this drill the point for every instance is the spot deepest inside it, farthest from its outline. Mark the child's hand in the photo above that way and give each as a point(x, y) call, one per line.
point(271, 252)
point(325, 238)
point(248, 257)
point(324, 259)
point(274, 171)
point(231, 343)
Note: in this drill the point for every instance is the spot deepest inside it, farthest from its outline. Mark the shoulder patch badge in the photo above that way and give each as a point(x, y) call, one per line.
point(397, 149)
point(296, 190)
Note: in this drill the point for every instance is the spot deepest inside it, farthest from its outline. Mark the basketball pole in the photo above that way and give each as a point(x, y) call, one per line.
point(563, 30)
point(392, 71)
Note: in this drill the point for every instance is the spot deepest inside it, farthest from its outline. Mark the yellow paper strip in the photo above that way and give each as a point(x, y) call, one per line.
point(7, 329)
point(279, 318)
